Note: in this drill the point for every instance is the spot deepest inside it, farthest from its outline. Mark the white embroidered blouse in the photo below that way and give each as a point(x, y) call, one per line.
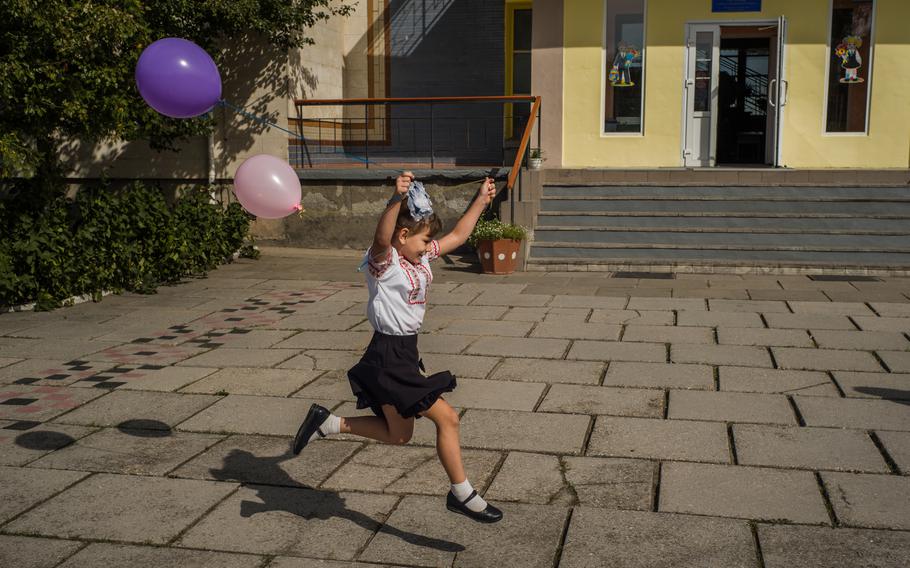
point(398, 291)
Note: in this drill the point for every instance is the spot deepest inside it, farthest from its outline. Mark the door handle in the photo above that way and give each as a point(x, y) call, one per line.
point(772, 92)
point(785, 88)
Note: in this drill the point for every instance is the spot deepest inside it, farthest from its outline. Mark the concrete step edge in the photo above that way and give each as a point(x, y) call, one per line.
point(697, 229)
point(708, 246)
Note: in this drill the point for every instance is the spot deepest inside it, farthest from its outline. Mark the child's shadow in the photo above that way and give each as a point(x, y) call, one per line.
point(241, 465)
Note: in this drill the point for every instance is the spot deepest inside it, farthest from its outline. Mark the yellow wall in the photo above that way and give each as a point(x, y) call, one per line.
point(887, 144)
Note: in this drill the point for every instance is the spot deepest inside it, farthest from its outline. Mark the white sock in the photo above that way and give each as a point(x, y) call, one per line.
point(461, 492)
point(332, 425)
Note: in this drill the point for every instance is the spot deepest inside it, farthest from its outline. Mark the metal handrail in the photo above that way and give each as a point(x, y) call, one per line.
point(523, 145)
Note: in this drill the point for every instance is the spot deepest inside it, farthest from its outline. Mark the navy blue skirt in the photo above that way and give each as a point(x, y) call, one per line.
point(391, 372)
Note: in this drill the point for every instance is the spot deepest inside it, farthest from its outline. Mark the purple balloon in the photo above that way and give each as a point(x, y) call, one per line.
point(177, 78)
point(267, 187)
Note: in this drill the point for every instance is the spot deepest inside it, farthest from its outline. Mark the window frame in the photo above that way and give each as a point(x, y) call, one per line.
point(604, 74)
point(827, 85)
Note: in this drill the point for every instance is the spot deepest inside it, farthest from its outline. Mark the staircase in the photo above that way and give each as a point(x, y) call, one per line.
point(846, 230)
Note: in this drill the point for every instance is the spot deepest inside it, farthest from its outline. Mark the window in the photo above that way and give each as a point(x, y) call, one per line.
point(849, 65)
point(625, 57)
point(518, 66)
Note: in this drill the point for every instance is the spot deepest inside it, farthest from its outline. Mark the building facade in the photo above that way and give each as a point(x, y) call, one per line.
point(704, 83)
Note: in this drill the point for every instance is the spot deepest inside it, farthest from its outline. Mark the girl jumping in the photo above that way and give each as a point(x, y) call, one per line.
point(390, 379)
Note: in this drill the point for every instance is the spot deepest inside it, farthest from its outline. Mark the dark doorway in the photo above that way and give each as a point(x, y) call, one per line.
point(742, 100)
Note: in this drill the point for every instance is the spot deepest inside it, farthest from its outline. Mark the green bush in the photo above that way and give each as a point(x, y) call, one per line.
point(494, 229)
point(128, 239)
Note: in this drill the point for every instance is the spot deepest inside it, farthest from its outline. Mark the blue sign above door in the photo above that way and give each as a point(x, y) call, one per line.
point(736, 5)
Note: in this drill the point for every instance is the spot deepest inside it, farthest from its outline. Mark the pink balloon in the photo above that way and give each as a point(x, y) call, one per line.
point(267, 187)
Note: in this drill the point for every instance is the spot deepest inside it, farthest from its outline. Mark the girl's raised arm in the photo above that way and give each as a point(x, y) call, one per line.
point(465, 225)
point(385, 229)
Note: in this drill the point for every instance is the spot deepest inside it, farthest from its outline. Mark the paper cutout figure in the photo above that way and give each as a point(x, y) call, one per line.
point(850, 59)
point(620, 74)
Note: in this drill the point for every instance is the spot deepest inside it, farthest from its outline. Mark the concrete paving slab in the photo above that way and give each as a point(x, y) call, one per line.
point(165, 379)
point(857, 413)
point(6, 361)
point(825, 359)
point(488, 328)
point(598, 302)
point(548, 371)
point(118, 555)
point(504, 298)
point(659, 439)
point(567, 329)
point(831, 308)
point(452, 344)
point(527, 478)
point(764, 337)
point(526, 431)
point(897, 444)
point(607, 538)
point(517, 347)
point(503, 395)
point(468, 312)
point(268, 460)
point(668, 334)
point(460, 365)
point(135, 452)
point(261, 519)
point(303, 362)
point(807, 448)
point(785, 546)
point(862, 340)
point(638, 317)
point(865, 500)
point(612, 483)
point(807, 295)
point(241, 414)
point(897, 361)
point(330, 386)
point(124, 508)
point(529, 540)
point(529, 314)
point(875, 323)
point(41, 403)
point(750, 379)
point(318, 323)
point(29, 552)
point(142, 354)
point(742, 492)
point(711, 293)
point(808, 321)
point(327, 360)
point(678, 304)
point(22, 488)
point(720, 355)
point(117, 407)
point(429, 478)
point(344, 340)
point(566, 314)
point(24, 441)
point(748, 306)
point(892, 309)
point(719, 319)
point(253, 381)
point(354, 476)
point(228, 357)
point(584, 399)
point(891, 386)
point(62, 349)
point(618, 351)
point(730, 407)
point(659, 375)
point(292, 562)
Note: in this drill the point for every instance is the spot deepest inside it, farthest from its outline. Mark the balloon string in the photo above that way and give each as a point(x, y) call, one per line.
point(246, 114)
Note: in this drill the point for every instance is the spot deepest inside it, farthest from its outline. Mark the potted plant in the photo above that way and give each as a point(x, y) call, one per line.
point(535, 158)
point(497, 245)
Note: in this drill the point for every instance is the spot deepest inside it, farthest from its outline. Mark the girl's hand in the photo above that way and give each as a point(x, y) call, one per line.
point(403, 182)
point(487, 191)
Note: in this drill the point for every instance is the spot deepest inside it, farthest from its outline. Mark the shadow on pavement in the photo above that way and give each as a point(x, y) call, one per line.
point(314, 504)
point(894, 395)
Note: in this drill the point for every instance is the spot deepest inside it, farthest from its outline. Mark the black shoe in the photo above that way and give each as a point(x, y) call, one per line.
point(489, 515)
point(314, 419)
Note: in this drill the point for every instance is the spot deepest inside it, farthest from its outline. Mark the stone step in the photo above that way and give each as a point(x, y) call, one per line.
point(739, 208)
point(731, 241)
point(733, 193)
point(542, 255)
point(701, 224)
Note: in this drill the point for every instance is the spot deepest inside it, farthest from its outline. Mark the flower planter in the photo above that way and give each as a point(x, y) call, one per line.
point(499, 256)
point(535, 163)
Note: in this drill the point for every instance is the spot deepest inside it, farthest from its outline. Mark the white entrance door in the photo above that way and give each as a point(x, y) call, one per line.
point(777, 94)
point(702, 55)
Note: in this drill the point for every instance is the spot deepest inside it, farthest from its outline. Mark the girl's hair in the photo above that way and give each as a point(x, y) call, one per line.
point(405, 221)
